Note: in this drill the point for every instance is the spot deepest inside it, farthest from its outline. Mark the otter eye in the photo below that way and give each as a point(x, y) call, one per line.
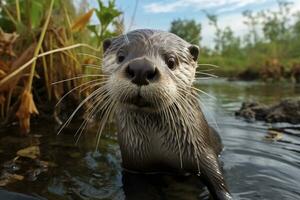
point(171, 62)
point(121, 58)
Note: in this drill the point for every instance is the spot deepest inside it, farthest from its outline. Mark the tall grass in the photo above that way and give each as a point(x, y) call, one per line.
point(47, 50)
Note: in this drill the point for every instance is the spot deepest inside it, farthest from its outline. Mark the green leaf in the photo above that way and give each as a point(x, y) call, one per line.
point(36, 13)
point(93, 28)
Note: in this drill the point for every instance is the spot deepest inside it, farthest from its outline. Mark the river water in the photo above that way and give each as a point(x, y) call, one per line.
point(254, 167)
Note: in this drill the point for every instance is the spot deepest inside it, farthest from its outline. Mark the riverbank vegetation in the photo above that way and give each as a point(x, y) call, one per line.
point(270, 49)
point(49, 49)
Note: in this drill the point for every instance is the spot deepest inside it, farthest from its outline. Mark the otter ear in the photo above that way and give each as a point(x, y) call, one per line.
point(106, 44)
point(194, 50)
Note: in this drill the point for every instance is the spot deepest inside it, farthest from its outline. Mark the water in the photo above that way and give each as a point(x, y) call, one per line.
point(254, 167)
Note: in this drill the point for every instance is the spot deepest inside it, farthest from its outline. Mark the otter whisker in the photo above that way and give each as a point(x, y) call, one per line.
point(214, 121)
point(91, 111)
point(102, 123)
point(196, 96)
point(96, 101)
point(184, 97)
point(205, 70)
point(91, 67)
point(126, 39)
point(110, 109)
point(101, 95)
point(75, 88)
point(89, 64)
point(172, 75)
point(94, 109)
point(78, 107)
point(203, 78)
point(184, 105)
point(109, 106)
point(83, 125)
point(201, 91)
point(91, 108)
point(209, 65)
point(124, 98)
point(100, 82)
point(203, 107)
point(80, 129)
point(207, 74)
point(93, 56)
point(79, 77)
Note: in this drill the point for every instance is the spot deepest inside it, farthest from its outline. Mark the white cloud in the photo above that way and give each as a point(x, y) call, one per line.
point(172, 6)
point(163, 7)
point(234, 21)
point(228, 11)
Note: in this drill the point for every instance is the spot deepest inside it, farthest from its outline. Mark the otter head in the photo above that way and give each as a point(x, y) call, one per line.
point(149, 70)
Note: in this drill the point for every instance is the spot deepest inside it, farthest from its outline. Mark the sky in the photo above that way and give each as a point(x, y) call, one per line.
point(158, 14)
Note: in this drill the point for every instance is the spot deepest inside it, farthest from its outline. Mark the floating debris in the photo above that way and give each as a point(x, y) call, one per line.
point(274, 135)
point(7, 178)
point(32, 152)
point(25, 166)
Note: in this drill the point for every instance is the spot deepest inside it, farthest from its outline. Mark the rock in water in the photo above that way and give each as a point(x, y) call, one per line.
point(287, 110)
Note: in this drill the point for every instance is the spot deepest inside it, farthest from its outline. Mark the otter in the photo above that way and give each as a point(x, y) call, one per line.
point(161, 127)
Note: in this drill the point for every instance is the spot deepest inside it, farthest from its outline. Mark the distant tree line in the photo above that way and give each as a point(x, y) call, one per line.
point(273, 36)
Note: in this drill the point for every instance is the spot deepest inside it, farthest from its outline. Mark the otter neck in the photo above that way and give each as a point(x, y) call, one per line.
point(151, 137)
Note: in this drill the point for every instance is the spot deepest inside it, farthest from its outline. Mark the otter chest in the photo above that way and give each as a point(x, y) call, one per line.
point(145, 145)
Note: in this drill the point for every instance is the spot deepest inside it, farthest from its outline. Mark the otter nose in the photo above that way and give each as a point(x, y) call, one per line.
point(141, 72)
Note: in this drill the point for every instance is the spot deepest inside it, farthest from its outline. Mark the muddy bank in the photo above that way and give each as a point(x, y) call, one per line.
point(287, 110)
point(271, 71)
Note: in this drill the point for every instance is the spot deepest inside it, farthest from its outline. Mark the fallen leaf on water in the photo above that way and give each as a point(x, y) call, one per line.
point(37, 135)
point(274, 135)
point(32, 152)
point(46, 164)
point(8, 178)
point(26, 109)
point(17, 177)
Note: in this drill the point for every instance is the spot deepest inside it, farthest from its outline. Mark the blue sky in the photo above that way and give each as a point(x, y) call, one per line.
point(159, 14)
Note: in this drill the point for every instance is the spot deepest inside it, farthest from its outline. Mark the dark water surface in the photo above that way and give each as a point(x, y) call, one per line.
point(255, 168)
